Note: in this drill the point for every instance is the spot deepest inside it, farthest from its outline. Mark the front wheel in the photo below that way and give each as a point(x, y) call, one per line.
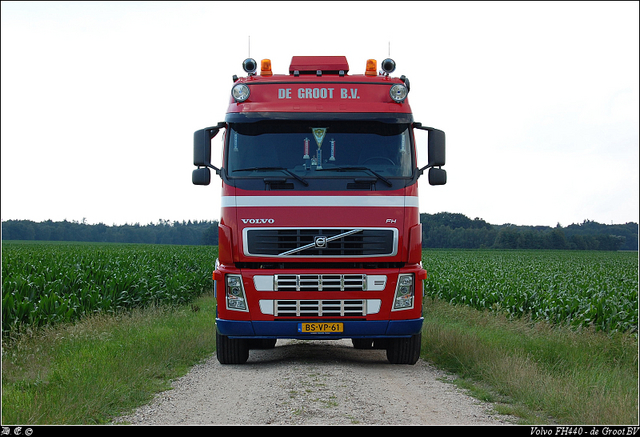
point(404, 350)
point(231, 350)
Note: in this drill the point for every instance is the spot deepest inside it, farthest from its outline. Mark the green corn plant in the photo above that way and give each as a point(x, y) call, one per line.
point(47, 283)
point(575, 288)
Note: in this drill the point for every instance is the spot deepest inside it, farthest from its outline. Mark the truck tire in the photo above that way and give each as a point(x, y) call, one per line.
point(231, 350)
point(404, 350)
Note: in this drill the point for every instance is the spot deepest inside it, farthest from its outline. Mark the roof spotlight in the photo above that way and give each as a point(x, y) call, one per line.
point(250, 65)
point(388, 65)
point(240, 92)
point(398, 92)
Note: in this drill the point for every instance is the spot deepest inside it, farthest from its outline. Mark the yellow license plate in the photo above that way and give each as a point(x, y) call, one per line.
point(319, 328)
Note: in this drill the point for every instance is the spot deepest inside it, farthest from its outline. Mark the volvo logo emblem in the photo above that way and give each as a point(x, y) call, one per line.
point(320, 242)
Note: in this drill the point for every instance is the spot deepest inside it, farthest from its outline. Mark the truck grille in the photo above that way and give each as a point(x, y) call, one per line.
point(319, 308)
point(320, 282)
point(325, 242)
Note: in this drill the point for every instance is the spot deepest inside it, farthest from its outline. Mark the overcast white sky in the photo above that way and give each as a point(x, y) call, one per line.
point(539, 101)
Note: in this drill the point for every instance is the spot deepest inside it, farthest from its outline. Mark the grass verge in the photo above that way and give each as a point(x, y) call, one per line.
point(105, 366)
point(539, 373)
point(102, 366)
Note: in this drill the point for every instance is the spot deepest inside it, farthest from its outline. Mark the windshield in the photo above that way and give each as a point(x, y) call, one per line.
point(317, 149)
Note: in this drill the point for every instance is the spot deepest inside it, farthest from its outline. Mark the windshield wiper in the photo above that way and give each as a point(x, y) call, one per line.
point(286, 170)
point(377, 175)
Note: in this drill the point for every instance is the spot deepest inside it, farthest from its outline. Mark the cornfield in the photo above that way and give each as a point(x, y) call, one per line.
point(561, 287)
point(47, 283)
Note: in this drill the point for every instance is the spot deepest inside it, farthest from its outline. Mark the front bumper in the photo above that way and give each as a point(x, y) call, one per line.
point(289, 329)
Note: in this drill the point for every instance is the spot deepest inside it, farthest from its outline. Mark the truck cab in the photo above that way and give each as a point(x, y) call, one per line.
point(319, 234)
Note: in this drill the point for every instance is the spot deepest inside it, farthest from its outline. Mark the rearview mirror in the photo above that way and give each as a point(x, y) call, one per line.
point(202, 154)
point(436, 151)
point(201, 176)
point(202, 147)
point(437, 176)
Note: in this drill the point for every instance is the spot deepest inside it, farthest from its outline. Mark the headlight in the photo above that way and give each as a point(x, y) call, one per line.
point(240, 92)
point(403, 299)
point(236, 299)
point(398, 93)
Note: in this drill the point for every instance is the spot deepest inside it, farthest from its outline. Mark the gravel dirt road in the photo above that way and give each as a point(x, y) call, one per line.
point(314, 383)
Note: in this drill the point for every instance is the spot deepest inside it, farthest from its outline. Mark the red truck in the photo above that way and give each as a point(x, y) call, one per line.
point(319, 233)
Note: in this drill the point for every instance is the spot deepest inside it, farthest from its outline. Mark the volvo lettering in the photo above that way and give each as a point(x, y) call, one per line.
point(255, 221)
point(319, 234)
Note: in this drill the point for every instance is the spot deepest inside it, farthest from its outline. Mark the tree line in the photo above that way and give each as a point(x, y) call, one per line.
point(163, 232)
point(441, 230)
point(451, 230)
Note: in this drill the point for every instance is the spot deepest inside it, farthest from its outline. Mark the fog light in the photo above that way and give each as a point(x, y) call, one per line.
point(398, 93)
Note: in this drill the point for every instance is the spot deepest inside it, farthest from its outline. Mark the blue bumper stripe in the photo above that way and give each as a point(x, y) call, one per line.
point(289, 329)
